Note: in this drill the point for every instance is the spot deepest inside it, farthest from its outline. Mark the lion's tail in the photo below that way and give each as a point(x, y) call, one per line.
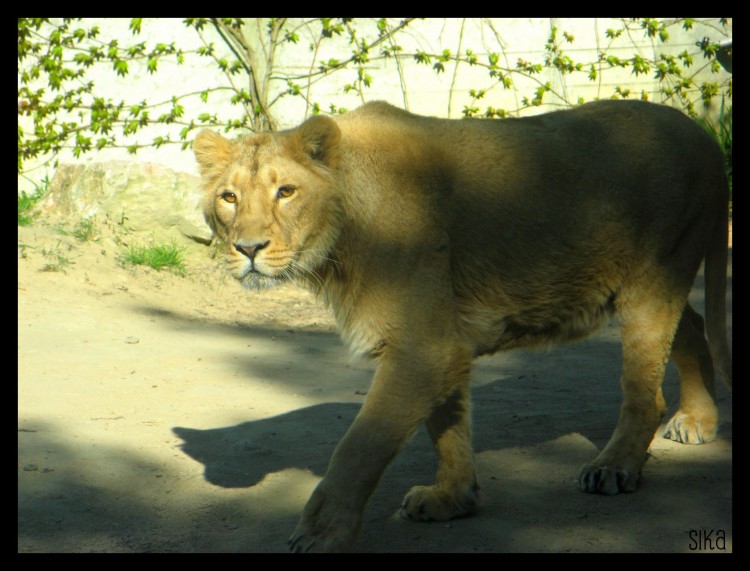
point(716, 288)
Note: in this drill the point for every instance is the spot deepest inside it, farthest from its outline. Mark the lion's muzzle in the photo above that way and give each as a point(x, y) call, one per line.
point(251, 251)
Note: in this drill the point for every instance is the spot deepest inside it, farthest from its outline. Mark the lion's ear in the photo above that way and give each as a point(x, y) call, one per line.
point(213, 153)
point(318, 138)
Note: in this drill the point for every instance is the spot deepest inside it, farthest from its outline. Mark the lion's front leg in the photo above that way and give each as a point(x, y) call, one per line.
point(407, 386)
point(332, 517)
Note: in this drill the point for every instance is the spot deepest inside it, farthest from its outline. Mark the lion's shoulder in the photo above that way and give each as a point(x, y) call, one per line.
point(380, 114)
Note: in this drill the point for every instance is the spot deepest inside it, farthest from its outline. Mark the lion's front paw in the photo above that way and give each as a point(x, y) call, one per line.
point(325, 526)
point(430, 503)
point(315, 536)
point(688, 429)
point(607, 480)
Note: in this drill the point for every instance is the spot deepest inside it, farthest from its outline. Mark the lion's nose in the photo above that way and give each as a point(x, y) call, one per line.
point(251, 251)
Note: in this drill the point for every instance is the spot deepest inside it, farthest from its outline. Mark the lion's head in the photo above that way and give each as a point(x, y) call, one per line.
point(272, 200)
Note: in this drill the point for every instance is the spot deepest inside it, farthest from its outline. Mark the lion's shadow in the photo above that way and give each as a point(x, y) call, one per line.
point(243, 454)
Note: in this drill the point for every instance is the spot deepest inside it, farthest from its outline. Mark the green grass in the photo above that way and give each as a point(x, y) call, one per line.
point(59, 260)
point(27, 201)
point(84, 231)
point(167, 256)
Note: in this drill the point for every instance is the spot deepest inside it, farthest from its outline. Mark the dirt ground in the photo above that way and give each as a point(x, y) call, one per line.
point(162, 413)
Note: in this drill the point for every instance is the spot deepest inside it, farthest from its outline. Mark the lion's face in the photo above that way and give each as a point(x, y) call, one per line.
point(272, 200)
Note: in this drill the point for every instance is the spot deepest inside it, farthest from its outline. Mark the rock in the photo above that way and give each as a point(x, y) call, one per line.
point(144, 197)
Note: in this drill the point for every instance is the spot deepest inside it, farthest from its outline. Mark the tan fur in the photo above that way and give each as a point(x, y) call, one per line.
point(435, 241)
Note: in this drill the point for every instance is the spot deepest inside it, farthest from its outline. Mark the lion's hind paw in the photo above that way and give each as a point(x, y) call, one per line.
point(429, 503)
point(687, 429)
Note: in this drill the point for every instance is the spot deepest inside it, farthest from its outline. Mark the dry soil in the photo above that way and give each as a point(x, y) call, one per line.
point(167, 413)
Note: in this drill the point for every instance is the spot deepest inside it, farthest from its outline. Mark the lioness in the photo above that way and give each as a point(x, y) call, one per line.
point(435, 241)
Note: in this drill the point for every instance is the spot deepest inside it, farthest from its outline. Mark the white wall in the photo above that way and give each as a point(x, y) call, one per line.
point(427, 93)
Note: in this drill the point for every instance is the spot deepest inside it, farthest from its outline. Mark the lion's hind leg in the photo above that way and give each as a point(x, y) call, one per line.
point(454, 493)
point(650, 311)
point(696, 420)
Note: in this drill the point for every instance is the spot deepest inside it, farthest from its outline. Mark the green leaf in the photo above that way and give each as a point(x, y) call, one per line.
point(328, 65)
point(196, 23)
point(83, 59)
point(130, 127)
point(651, 26)
point(135, 25)
point(611, 33)
point(686, 58)
point(294, 89)
point(83, 142)
point(112, 50)
point(121, 67)
point(640, 65)
point(136, 49)
point(422, 57)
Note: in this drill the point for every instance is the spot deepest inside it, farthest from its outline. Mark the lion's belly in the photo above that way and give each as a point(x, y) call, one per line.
point(490, 329)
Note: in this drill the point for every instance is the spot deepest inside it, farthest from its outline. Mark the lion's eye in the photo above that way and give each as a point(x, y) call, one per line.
point(285, 191)
point(229, 197)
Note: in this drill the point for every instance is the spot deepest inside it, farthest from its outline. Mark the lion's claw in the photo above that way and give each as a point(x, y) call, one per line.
point(606, 480)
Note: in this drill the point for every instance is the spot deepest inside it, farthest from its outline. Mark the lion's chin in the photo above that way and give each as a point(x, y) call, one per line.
point(259, 282)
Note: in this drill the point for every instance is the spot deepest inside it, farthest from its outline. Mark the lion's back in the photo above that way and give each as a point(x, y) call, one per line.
point(544, 216)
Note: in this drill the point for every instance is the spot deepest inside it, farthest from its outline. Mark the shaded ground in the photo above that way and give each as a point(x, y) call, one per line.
point(159, 413)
